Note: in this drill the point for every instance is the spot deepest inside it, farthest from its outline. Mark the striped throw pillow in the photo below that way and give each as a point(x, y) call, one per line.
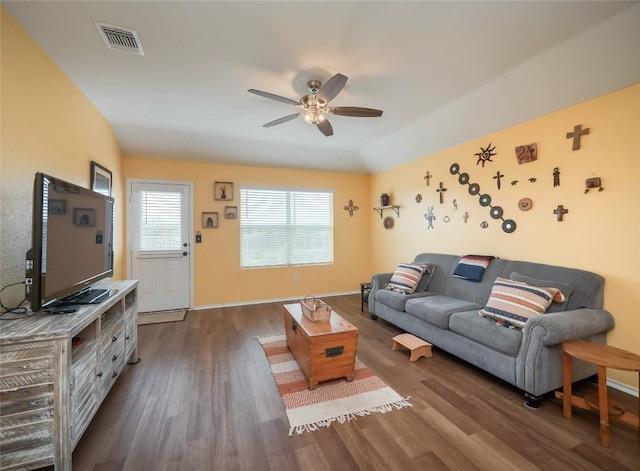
point(405, 278)
point(515, 301)
point(472, 267)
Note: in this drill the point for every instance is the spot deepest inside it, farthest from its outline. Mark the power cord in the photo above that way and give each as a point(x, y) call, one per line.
point(19, 311)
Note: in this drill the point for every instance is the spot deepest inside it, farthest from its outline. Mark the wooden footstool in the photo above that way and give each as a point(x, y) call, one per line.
point(419, 348)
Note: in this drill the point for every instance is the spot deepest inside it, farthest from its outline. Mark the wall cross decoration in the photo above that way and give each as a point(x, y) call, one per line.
point(560, 211)
point(427, 177)
point(498, 177)
point(465, 216)
point(350, 207)
point(577, 133)
point(441, 190)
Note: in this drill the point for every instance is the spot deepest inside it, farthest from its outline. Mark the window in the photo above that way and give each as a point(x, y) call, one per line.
point(285, 227)
point(160, 221)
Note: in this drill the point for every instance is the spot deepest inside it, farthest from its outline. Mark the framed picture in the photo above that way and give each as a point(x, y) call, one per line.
point(57, 207)
point(209, 220)
point(84, 217)
point(223, 191)
point(100, 179)
point(231, 212)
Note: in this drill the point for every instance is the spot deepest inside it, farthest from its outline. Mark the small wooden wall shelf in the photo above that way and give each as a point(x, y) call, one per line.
point(380, 209)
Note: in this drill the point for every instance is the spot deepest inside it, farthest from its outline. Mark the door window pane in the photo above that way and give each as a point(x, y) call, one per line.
point(160, 221)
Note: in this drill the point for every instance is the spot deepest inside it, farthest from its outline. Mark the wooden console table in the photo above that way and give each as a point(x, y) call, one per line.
point(604, 356)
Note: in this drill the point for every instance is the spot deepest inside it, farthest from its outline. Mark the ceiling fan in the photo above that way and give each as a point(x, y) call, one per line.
point(315, 105)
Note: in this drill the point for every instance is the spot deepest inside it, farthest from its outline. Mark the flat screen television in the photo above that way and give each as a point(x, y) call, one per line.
point(72, 244)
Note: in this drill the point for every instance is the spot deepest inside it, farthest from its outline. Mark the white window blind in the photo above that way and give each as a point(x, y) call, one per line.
point(285, 227)
point(160, 221)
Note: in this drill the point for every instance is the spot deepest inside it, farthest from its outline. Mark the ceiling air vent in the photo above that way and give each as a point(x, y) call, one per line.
point(122, 39)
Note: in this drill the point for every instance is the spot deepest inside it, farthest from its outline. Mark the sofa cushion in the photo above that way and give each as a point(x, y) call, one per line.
point(405, 278)
point(486, 332)
point(394, 299)
point(437, 309)
point(472, 267)
point(565, 288)
point(515, 302)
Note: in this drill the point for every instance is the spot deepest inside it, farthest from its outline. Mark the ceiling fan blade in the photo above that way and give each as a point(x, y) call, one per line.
point(281, 120)
point(325, 128)
point(356, 111)
point(271, 96)
point(331, 89)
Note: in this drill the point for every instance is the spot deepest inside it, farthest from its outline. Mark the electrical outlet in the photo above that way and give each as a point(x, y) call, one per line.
point(296, 276)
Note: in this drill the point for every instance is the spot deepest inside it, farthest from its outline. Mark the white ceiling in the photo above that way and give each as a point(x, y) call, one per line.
point(428, 65)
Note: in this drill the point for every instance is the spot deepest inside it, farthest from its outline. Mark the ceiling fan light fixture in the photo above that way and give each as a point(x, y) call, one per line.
point(315, 115)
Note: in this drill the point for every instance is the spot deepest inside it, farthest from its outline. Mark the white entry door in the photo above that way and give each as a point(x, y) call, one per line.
point(160, 248)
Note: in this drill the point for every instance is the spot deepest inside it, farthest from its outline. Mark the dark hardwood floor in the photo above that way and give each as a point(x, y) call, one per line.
point(203, 399)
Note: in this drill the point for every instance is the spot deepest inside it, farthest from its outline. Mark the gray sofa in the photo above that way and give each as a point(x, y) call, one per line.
point(445, 313)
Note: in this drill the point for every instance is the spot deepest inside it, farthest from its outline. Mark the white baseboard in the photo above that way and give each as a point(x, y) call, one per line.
point(622, 387)
point(278, 300)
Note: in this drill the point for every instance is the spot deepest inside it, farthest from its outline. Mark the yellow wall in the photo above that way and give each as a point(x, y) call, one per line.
point(219, 279)
point(47, 125)
point(601, 232)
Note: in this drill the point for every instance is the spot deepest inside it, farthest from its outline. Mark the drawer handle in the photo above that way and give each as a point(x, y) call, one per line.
point(127, 338)
point(115, 357)
point(99, 375)
point(334, 351)
point(113, 339)
point(294, 325)
point(114, 374)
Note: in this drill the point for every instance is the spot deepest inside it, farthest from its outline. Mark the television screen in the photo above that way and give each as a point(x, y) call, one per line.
point(72, 244)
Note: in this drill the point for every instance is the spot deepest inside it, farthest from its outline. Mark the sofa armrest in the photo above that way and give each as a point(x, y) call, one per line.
point(571, 325)
point(378, 280)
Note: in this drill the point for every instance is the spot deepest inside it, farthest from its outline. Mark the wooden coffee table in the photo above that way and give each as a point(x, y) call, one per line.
point(324, 350)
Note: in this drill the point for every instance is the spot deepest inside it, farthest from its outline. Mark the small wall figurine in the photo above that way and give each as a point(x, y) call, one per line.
point(429, 216)
point(556, 177)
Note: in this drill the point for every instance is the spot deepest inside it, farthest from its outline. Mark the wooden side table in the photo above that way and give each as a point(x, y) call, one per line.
point(604, 356)
point(365, 289)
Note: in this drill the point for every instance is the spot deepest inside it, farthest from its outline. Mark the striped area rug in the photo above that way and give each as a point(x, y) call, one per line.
point(337, 400)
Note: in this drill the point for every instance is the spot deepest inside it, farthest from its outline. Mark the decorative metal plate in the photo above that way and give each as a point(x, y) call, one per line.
point(509, 225)
point(496, 212)
point(485, 200)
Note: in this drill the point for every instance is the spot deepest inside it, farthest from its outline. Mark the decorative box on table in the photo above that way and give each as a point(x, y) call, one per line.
point(315, 310)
